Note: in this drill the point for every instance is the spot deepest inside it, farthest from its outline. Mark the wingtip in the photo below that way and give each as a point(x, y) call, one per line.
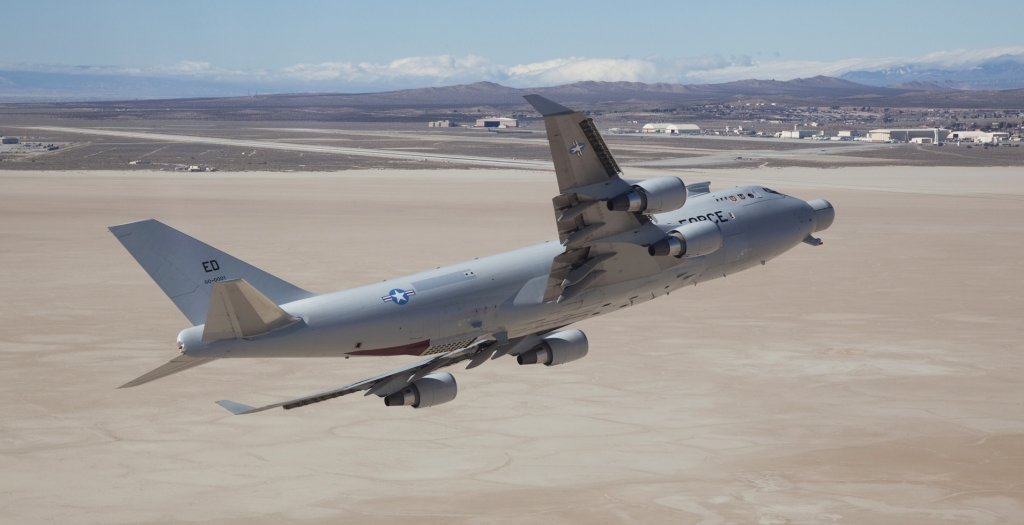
point(545, 107)
point(235, 408)
point(124, 229)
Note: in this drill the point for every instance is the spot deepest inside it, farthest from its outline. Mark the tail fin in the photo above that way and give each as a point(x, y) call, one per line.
point(187, 269)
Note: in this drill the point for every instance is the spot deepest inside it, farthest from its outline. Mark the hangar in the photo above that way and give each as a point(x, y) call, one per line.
point(906, 135)
point(671, 129)
point(497, 122)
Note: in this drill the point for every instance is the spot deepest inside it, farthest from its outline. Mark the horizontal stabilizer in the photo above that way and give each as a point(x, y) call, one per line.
point(238, 310)
point(182, 362)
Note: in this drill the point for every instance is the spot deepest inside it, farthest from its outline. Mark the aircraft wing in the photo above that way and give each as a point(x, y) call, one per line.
point(602, 247)
point(395, 380)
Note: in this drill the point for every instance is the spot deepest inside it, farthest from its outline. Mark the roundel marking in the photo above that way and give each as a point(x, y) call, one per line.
point(398, 296)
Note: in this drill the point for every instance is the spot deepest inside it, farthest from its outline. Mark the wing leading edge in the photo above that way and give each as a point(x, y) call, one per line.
point(398, 379)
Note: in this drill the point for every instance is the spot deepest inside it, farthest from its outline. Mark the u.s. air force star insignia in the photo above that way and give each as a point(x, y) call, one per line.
point(577, 148)
point(398, 296)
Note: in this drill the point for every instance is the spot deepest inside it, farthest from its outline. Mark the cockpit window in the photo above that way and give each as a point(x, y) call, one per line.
point(769, 190)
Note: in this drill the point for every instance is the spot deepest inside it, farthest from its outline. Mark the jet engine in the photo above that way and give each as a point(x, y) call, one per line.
point(689, 240)
point(432, 389)
point(824, 214)
point(556, 349)
point(656, 195)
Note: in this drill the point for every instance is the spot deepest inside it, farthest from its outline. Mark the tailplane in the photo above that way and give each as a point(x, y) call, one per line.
point(187, 269)
point(178, 364)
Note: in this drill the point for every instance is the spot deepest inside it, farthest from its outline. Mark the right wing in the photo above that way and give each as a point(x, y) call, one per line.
point(602, 247)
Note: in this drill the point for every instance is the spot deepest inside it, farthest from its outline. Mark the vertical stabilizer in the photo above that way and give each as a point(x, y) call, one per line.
point(187, 269)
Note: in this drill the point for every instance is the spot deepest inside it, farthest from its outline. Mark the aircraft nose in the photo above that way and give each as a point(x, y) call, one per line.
point(824, 214)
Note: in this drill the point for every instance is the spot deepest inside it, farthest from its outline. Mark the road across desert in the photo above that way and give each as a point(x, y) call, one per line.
point(878, 378)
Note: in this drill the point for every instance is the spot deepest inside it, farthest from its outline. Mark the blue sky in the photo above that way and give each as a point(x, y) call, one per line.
point(389, 44)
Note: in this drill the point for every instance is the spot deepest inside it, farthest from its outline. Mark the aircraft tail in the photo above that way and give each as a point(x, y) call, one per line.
point(187, 269)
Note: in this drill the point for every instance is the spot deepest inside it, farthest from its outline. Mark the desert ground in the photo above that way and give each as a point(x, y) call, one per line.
point(878, 378)
point(88, 145)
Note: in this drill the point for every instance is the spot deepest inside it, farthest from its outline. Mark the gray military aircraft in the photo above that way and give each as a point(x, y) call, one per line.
point(620, 243)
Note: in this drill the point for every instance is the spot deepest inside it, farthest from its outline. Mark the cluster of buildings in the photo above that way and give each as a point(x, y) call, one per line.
point(660, 127)
point(486, 122)
point(911, 135)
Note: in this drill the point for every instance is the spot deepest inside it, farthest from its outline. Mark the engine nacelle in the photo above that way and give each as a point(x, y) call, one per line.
point(655, 195)
point(556, 349)
point(824, 214)
point(430, 390)
point(689, 240)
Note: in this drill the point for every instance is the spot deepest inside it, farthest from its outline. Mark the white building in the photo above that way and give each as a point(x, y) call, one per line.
point(801, 134)
point(906, 135)
point(441, 124)
point(671, 129)
point(497, 122)
point(979, 136)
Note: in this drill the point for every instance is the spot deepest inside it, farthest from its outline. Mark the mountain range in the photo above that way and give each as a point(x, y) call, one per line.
point(819, 90)
point(1003, 72)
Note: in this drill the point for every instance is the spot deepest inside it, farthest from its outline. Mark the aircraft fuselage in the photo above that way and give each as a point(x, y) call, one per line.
point(502, 295)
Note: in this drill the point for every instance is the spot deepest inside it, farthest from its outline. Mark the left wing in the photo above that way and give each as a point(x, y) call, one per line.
point(397, 380)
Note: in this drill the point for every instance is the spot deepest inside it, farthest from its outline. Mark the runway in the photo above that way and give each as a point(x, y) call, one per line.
point(312, 148)
point(678, 156)
point(874, 379)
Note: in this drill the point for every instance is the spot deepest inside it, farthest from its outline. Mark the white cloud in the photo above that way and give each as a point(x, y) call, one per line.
point(567, 70)
point(449, 69)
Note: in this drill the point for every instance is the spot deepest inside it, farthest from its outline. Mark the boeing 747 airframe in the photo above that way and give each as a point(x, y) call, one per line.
point(620, 243)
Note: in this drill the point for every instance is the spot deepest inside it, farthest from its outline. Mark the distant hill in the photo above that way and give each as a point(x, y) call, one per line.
point(1003, 72)
point(820, 90)
point(923, 86)
point(489, 96)
point(591, 92)
point(32, 86)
